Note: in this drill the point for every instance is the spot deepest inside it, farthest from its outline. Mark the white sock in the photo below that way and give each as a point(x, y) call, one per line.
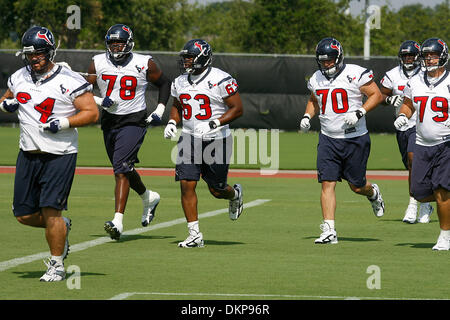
point(445, 233)
point(118, 217)
point(412, 202)
point(193, 227)
point(146, 195)
point(330, 223)
point(58, 259)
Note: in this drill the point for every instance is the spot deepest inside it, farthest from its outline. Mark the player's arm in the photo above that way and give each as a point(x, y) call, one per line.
point(374, 96)
point(175, 117)
point(385, 92)
point(8, 95)
point(312, 108)
point(92, 74)
point(8, 103)
point(88, 111)
point(175, 111)
point(235, 109)
point(407, 108)
point(389, 98)
point(406, 111)
point(157, 78)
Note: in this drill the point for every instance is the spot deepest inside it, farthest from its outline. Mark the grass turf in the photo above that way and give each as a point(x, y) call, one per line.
point(267, 254)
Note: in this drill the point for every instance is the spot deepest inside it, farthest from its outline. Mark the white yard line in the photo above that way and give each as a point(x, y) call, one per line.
point(126, 295)
point(5, 265)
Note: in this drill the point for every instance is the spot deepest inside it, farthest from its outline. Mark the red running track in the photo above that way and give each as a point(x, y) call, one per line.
point(253, 173)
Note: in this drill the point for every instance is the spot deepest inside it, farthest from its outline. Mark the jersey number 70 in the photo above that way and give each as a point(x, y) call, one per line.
point(337, 107)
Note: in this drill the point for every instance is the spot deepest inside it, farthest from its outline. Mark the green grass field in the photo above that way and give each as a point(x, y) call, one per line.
point(296, 151)
point(269, 253)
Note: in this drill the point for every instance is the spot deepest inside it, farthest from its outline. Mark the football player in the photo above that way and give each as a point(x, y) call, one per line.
point(206, 100)
point(427, 94)
point(122, 77)
point(51, 101)
point(337, 91)
point(392, 85)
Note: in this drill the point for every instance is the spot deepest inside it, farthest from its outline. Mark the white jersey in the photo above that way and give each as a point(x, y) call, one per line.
point(44, 100)
point(202, 98)
point(125, 85)
point(395, 80)
point(431, 101)
point(338, 96)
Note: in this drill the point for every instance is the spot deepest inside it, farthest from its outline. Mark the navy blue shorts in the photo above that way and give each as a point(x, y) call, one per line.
point(430, 170)
point(122, 146)
point(42, 180)
point(208, 159)
point(346, 158)
point(406, 141)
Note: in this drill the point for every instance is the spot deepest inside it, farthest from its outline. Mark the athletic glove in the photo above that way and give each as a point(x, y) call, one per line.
point(171, 129)
point(400, 121)
point(56, 124)
point(205, 127)
point(352, 118)
point(305, 123)
point(106, 102)
point(396, 101)
point(9, 105)
point(155, 117)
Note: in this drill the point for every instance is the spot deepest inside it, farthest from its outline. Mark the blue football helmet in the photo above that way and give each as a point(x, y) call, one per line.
point(119, 33)
point(330, 49)
point(409, 48)
point(195, 56)
point(38, 40)
point(433, 45)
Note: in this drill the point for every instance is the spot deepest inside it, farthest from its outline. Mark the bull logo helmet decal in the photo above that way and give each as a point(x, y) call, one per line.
point(44, 37)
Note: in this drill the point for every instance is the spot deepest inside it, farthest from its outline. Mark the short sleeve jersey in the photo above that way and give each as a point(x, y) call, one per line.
point(338, 96)
point(202, 99)
point(125, 84)
point(395, 80)
point(40, 102)
point(431, 101)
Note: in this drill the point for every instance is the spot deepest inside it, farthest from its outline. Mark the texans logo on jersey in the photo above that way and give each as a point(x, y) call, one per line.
point(139, 69)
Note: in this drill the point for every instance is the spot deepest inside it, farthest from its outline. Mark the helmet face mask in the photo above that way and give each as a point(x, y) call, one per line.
point(408, 55)
point(433, 54)
point(38, 49)
point(195, 56)
point(119, 42)
point(329, 57)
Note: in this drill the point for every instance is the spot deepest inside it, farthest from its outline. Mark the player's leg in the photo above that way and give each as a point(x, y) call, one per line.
point(189, 203)
point(216, 155)
point(122, 146)
point(406, 141)
point(425, 207)
point(56, 181)
point(187, 172)
point(442, 197)
point(328, 205)
point(357, 155)
point(33, 220)
point(150, 199)
point(329, 167)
